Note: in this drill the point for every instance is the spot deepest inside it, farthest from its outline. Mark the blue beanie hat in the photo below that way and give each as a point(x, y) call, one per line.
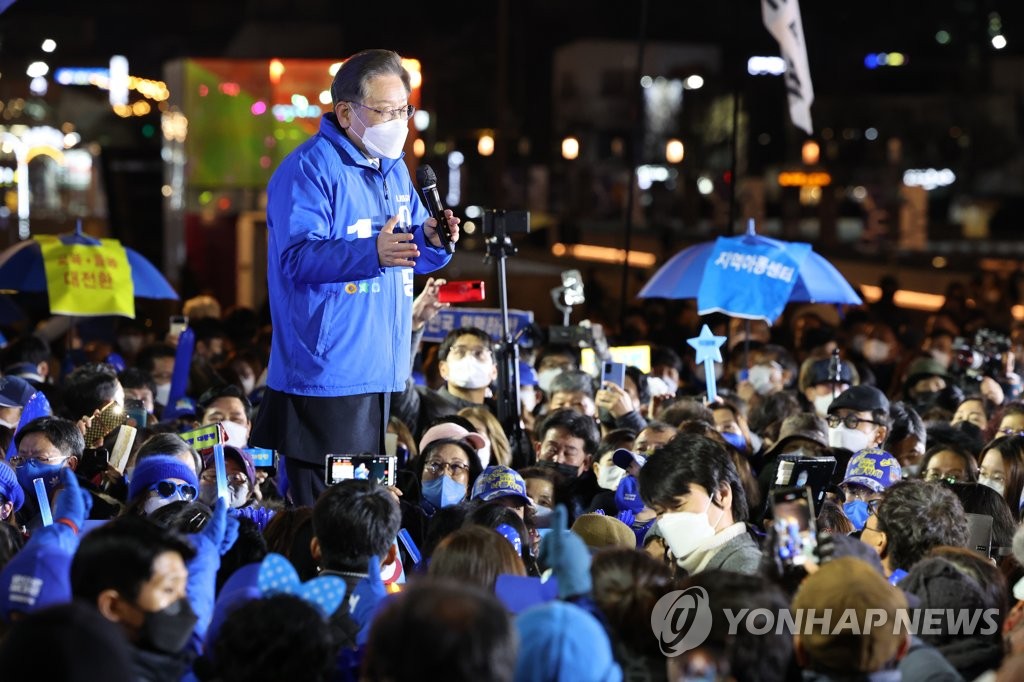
point(158, 468)
point(9, 487)
point(561, 641)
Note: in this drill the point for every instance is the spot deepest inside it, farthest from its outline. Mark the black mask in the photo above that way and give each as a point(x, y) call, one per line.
point(567, 470)
point(168, 629)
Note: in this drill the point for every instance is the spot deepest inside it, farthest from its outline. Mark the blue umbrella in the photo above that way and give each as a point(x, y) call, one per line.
point(687, 275)
point(21, 268)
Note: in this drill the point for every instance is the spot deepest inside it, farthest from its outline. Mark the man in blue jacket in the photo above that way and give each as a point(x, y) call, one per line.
point(347, 232)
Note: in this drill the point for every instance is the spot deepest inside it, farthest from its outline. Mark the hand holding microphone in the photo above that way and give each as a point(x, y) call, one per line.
point(443, 217)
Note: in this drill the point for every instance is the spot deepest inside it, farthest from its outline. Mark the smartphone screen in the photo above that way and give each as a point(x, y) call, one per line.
point(109, 418)
point(178, 324)
point(613, 372)
point(135, 409)
point(379, 468)
point(795, 528)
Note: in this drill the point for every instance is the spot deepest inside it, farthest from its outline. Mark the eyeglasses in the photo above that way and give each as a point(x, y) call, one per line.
point(166, 489)
point(850, 421)
point(437, 468)
point(403, 113)
point(856, 492)
point(234, 480)
point(18, 460)
point(873, 505)
point(1007, 431)
point(482, 353)
point(936, 475)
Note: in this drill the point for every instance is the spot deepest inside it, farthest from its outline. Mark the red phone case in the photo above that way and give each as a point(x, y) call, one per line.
point(461, 292)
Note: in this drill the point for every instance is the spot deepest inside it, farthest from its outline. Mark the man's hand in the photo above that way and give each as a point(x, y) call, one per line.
point(430, 228)
point(426, 305)
point(395, 250)
point(614, 398)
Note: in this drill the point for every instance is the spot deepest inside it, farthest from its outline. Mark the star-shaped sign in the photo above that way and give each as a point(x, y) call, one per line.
point(707, 345)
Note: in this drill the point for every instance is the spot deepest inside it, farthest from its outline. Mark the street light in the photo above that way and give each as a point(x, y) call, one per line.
point(485, 145)
point(570, 148)
point(674, 151)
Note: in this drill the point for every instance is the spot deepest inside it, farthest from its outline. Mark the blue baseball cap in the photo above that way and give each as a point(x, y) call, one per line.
point(10, 489)
point(623, 458)
point(874, 469)
point(500, 481)
point(15, 392)
point(527, 377)
point(36, 577)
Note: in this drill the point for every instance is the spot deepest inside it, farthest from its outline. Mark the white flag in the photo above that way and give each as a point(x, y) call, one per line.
point(782, 18)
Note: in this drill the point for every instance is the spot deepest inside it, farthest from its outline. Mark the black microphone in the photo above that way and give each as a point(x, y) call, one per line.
point(428, 187)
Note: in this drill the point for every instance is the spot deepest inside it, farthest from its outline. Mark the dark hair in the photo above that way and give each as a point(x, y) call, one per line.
point(224, 391)
point(626, 585)
point(683, 462)
point(180, 516)
point(684, 410)
point(1011, 450)
point(475, 555)
point(62, 433)
point(449, 631)
point(970, 464)
point(119, 555)
point(453, 336)
point(905, 422)
point(832, 520)
point(917, 516)
point(274, 638)
point(352, 79)
point(643, 390)
point(491, 515)
point(663, 355)
point(988, 575)
point(475, 467)
point(147, 357)
point(353, 521)
point(767, 415)
point(753, 658)
point(1008, 409)
point(289, 534)
point(980, 499)
point(88, 388)
point(206, 329)
point(573, 381)
point(26, 349)
point(578, 425)
point(615, 439)
point(562, 349)
point(444, 522)
point(168, 444)
point(11, 542)
point(134, 377)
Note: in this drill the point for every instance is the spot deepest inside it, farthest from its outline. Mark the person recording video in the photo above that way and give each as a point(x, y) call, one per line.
point(347, 230)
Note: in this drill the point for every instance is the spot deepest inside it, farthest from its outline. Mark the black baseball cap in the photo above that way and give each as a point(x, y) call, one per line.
point(860, 399)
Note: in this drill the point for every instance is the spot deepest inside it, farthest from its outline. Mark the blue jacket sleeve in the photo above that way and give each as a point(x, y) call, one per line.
point(302, 216)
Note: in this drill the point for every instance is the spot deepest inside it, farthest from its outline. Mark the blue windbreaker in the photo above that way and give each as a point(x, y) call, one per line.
point(342, 323)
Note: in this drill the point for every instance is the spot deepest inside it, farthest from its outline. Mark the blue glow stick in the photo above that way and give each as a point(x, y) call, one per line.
point(44, 501)
point(222, 473)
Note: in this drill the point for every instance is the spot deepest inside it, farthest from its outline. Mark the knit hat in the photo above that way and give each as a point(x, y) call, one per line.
point(561, 641)
point(36, 577)
point(843, 585)
point(9, 487)
point(150, 470)
point(600, 531)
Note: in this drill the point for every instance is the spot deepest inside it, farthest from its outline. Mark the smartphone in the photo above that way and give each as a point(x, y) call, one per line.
point(461, 292)
point(795, 528)
point(178, 324)
point(379, 468)
point(614, 373)
point(94, 461)
point(136, 409)
point(110, 417)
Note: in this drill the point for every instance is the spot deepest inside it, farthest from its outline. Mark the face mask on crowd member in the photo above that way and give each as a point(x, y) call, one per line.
point(567, 440)
point(39, 457)
point(231, 411)
point(550, 366)
point(469, 364)
point(241, 478)
point(731, 426)
point(868, 474)
point(159, 480)
point(608, 474)
point(823, 380)
point(446, 473)
point(855, 419)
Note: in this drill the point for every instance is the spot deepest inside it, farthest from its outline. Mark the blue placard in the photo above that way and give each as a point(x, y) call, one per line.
point(261, 457)
point(750, 278)
point(488, 319)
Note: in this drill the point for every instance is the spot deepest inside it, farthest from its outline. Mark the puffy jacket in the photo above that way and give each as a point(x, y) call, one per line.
point(342, 323)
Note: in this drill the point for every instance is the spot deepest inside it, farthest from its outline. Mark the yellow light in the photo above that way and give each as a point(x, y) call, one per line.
point(469, 227)
point(55, 154)
point(485, 145)
point(674, 151)
point(332, 70)
point(604, 254)
point(801, 179)
point(896, 59)
point(123, 110)
point(904, 298)
point(810, 153)
point(419, 148)
point(276, 71)
point(141, 108)
point(1017, 311)
point(570, 148)
point(415, 75)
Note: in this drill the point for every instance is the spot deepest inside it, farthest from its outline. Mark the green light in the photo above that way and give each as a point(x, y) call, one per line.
point(942, 37)
point(205, 197)
point(148, 130)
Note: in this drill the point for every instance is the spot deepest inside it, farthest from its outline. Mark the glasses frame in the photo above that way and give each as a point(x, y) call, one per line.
point(390, 114)
point(835, 420)
point(183, 490)
point(439, 467)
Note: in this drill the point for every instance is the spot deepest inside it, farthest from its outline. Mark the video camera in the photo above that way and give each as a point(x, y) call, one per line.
point(985, 357)
point(500, 222)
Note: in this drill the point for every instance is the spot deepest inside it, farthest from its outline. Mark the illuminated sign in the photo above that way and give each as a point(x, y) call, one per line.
point(801, 179)
point(928, 178)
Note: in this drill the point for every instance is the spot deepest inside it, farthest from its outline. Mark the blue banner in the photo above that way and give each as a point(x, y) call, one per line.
point(488, 319)
point(750, 278)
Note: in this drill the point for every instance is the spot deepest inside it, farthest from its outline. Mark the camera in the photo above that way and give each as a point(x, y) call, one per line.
point(985, 357)
point(501, 222)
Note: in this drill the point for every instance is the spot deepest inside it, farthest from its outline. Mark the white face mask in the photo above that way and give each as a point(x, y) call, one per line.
point(248, 384)
point(853, 440)
point(528, 397)
point(942, 357)
point(484, 454)
point(468, 372)
point(998, 486)
point(610, 475)
point(156, 502)
point(821, 404)
point(546, 376)
point(237, 497)
point(163, 393)
point(384, 140)
point(236, 433)
point(685, 532)
point(875, 351)
point(760, 377)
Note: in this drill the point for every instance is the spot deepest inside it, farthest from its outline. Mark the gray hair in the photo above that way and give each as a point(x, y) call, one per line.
point(917, 516)
point(573, 381)
point(358, 70)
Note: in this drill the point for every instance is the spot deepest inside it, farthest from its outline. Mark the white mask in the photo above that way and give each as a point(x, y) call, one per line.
point(821, 404)
point(468, 372)
point(998, 486)
point(237, 497)
point(248, 384)
point(610, 475)
point(942, 357)
point(853, 440)
point(163, 394)
point(484, 454)
point(8, 424)
point(528, 398)
point(546, 376)
point(385, 140)
point(875, 351)
point(156, 502)
point(236, 433)
point(760, 377)
point(685, 532)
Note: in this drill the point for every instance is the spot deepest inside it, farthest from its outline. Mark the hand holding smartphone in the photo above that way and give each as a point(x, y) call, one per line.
point(378, 468)
point(613, 373)
point(796, 534)
point(106, 420)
